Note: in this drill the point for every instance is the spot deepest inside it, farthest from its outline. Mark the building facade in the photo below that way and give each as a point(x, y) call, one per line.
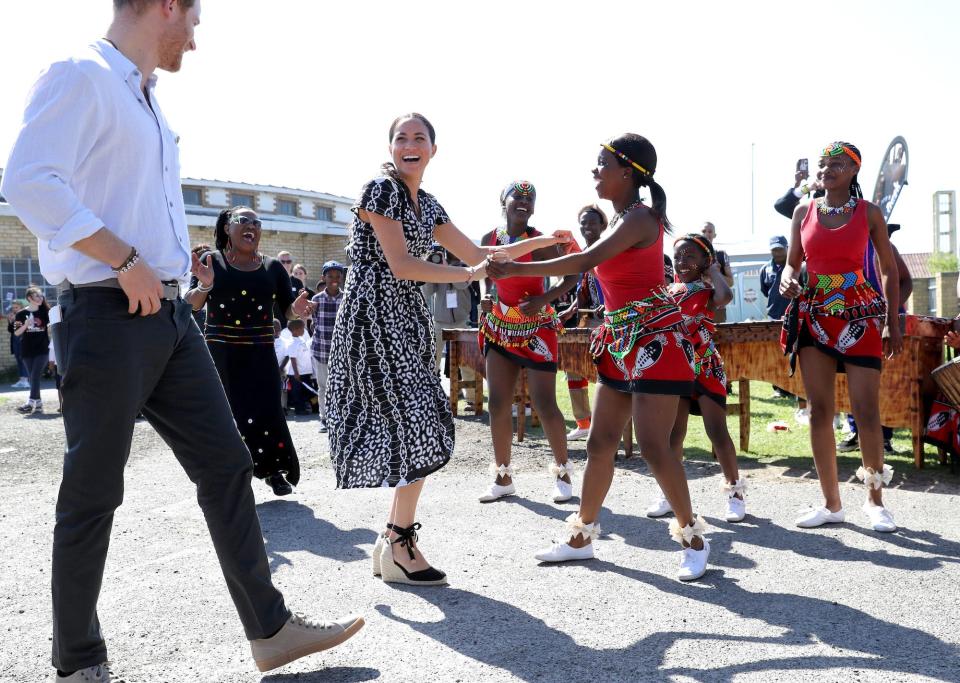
point(312, 226)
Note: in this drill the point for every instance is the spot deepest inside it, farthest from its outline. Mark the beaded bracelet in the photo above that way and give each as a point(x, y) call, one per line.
point(128, 264)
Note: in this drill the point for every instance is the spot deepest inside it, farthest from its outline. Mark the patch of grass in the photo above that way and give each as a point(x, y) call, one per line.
point(787, 449)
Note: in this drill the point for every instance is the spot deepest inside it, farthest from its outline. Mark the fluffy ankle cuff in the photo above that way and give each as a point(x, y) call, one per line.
point(875, 479)
point(577, 527)
point(686, 534)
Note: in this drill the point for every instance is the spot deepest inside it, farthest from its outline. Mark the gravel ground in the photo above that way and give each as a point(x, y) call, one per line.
point(837, 604)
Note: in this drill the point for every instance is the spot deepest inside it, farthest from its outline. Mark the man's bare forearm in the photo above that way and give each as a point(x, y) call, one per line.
point(105, 247)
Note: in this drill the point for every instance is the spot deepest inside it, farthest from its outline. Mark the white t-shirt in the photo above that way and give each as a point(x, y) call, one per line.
point(299, 348)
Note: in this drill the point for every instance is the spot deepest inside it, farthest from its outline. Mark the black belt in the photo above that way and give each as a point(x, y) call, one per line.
point(171, 288)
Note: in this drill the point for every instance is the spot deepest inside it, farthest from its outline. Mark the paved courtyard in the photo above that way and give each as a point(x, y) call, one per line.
point(835, 604)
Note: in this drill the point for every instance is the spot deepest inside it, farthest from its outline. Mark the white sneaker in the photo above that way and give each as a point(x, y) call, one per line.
point(693, 563)
point(736, 509)
point(299, 638)
point(92, 674)
point(323, 427)
point(22, 383)
point(577, 433)
point(562, 491)
point(561, 552)
point(496, 491)
point(659, 507)
point(881, 518)
point(820, 516)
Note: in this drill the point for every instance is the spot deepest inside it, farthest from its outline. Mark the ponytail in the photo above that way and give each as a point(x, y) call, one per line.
point(637, 153)
point(658, 199)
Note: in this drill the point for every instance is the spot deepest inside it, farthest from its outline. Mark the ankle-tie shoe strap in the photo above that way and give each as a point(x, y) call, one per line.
point(686, 534)
point(406, 536)
point(577, 527)
point(739, 486)
point(502, 470)
point(559, 471)
point(872, 478)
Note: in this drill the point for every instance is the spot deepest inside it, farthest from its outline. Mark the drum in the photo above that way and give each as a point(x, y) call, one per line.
point(947, 377)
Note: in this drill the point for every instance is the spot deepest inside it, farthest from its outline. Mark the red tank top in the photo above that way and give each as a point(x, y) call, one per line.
point(512, 290)
point(837, 250)
point(631, 275)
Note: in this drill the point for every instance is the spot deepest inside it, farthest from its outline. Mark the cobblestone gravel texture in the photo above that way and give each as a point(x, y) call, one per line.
point(835, 604)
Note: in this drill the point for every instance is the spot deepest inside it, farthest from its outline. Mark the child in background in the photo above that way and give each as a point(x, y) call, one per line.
point(280, 348)
point(300, 368)
point(699, 291)
point(327, 303)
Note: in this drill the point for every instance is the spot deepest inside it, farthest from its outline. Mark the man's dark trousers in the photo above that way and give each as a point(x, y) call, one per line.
point(114, 366)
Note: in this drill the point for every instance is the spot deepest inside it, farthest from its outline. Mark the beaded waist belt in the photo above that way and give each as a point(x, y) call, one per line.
point(513, 329)
point(845, 295)
point(233, 334)
point(623, 327)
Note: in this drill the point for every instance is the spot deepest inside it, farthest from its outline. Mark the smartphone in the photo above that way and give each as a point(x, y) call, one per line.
point(803, 165)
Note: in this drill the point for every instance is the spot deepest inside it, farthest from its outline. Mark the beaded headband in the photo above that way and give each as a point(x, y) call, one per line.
point(627, 159)
point(699, 241)
point(523, 188)
point(838, 148)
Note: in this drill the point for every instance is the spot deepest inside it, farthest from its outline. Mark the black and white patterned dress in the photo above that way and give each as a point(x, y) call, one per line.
point(389, 419)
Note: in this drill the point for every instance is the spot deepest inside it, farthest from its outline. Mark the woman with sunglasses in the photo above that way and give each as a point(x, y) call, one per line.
point(840, 323)
point(30, 325)
point(239, 286)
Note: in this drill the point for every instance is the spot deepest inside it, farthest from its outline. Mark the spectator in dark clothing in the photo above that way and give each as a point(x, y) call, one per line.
point(296, 285)
point(15, 346)
point(770, 278)
point(788, 202)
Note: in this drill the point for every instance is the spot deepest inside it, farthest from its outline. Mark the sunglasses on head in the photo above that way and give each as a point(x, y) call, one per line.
point(246, 220)
point(286, 260)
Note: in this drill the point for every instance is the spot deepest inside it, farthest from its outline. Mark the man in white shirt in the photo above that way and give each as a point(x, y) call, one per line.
point(300, 367)
point(95, 175)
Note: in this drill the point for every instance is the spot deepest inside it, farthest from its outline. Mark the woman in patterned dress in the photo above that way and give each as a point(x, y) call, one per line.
point(239, 287)
point(840, 323)
point(389, 419)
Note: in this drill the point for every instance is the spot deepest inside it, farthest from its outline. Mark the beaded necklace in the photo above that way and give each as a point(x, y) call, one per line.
point(617, 217)
point(842, 210)
point(504, 238)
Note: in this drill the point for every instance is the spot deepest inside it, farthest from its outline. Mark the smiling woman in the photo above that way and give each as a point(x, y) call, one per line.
point(239, 287)
point(388, 417)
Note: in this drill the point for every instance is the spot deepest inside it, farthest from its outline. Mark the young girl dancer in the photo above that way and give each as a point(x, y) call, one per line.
point(644, 362)
point(518, 329)
point(700, 290)
point(837, 324)
point(389, 418)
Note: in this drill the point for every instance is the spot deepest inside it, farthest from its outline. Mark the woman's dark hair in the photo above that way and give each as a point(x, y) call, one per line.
point(855, 189)
point(701, 242)
point(593, 208)
point(389, 169)
point(641, 151)
point(220, 232)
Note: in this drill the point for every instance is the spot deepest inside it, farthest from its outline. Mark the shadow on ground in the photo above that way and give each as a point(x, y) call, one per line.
point(336, 674)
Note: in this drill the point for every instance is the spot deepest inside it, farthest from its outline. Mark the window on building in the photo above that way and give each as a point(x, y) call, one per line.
point(287, 207)
point(240, 199)
point(16, 274)
point(193, 196)
point(324, 213)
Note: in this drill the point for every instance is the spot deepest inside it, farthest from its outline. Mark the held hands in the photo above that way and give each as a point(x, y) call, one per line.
point(790, 289)
point(569, 312)
point(499, 265)
point(302, 306)
point(486, 304)
point(952, 339)
point(143, 289)
point(562, 236)
point(203, 270)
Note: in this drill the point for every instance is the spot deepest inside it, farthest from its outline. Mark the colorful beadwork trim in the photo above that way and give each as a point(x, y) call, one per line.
point(837, 148)
point(627, 159)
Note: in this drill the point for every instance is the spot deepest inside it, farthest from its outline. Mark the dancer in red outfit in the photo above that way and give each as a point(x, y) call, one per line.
point(644, 362)
point(700, 291)
point(518, 329)
point(836, 324)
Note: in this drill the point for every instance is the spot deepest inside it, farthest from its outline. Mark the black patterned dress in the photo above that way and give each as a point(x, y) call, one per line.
point(389, 419)
point(239, 334)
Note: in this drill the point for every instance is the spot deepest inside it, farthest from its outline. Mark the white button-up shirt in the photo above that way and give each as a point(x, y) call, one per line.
point(94, 152)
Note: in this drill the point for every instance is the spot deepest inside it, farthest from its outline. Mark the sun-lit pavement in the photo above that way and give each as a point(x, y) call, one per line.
point(837, 604)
